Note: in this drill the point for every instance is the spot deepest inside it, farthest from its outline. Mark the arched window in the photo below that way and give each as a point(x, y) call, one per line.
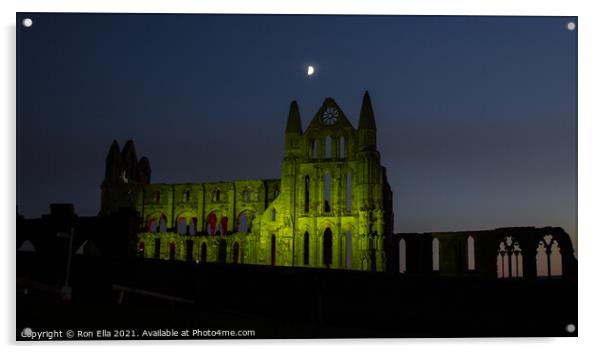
point(273, 214)
point(549, 258)
point(470, 250)
point(152, 225)
point(343, 142)
point(348, 249)
point(186, 196)
point(555, 260)
point(243, 222)
point(216, 195)
point(224, 225)
point(541, 259)
point(314, 149)
point(172, 251)
point(402, 256)
point(182, 227)
point(235, 251)
point(276, 192)
point(328, 147)
point(248, 194)
point(211, 223)
point(516, 260)
point(306, 193)
point(204, 253)
point(141, 249)
point(502, 263)
point(348, 193)
point(327, 192)
point(509, 259)
point(189, 249)
point(327, 247)
point(157, 196)
point(435, 254)
point(273, 250)
point(306, 248)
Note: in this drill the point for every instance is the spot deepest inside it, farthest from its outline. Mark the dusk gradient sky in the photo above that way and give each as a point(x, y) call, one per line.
point(476, 116)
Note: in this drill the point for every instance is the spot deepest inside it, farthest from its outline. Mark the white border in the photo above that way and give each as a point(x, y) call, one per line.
point(590, 162)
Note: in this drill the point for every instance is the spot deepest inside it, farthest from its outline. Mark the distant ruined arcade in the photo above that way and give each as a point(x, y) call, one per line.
point(331, 208)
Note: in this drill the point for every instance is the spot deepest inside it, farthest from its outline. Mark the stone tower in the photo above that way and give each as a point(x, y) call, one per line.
point(125, 176)
point(334, 208)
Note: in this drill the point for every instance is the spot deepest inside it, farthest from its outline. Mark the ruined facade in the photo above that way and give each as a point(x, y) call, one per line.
point(505, 253)
point(331, 207)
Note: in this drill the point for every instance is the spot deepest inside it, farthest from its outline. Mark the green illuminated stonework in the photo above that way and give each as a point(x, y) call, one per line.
point(331, 207)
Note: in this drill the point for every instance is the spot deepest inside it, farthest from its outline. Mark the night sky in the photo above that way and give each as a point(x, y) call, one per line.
point(476, 116)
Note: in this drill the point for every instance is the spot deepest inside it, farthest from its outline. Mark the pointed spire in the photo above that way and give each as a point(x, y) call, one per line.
point(113, 152)
point(128, 149)
point(293, 124)
point(113, 162)
point(366, 114)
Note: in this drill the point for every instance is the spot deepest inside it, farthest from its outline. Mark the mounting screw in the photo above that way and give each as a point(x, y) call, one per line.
point(571, 26)
point(570, 328)
point(27, 22)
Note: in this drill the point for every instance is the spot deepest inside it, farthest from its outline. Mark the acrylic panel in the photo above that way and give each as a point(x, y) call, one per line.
point(295, 176)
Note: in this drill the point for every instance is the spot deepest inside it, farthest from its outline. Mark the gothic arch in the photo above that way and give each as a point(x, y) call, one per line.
point(186, 221)
point(223, 225)
point(243, 221)
point(181, 225)
point(509, 258)
point(548, 257)
point(211, 223)
point(156, 222)
point(327, 223)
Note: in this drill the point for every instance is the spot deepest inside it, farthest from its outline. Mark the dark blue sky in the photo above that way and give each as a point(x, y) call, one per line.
point(476, 116)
